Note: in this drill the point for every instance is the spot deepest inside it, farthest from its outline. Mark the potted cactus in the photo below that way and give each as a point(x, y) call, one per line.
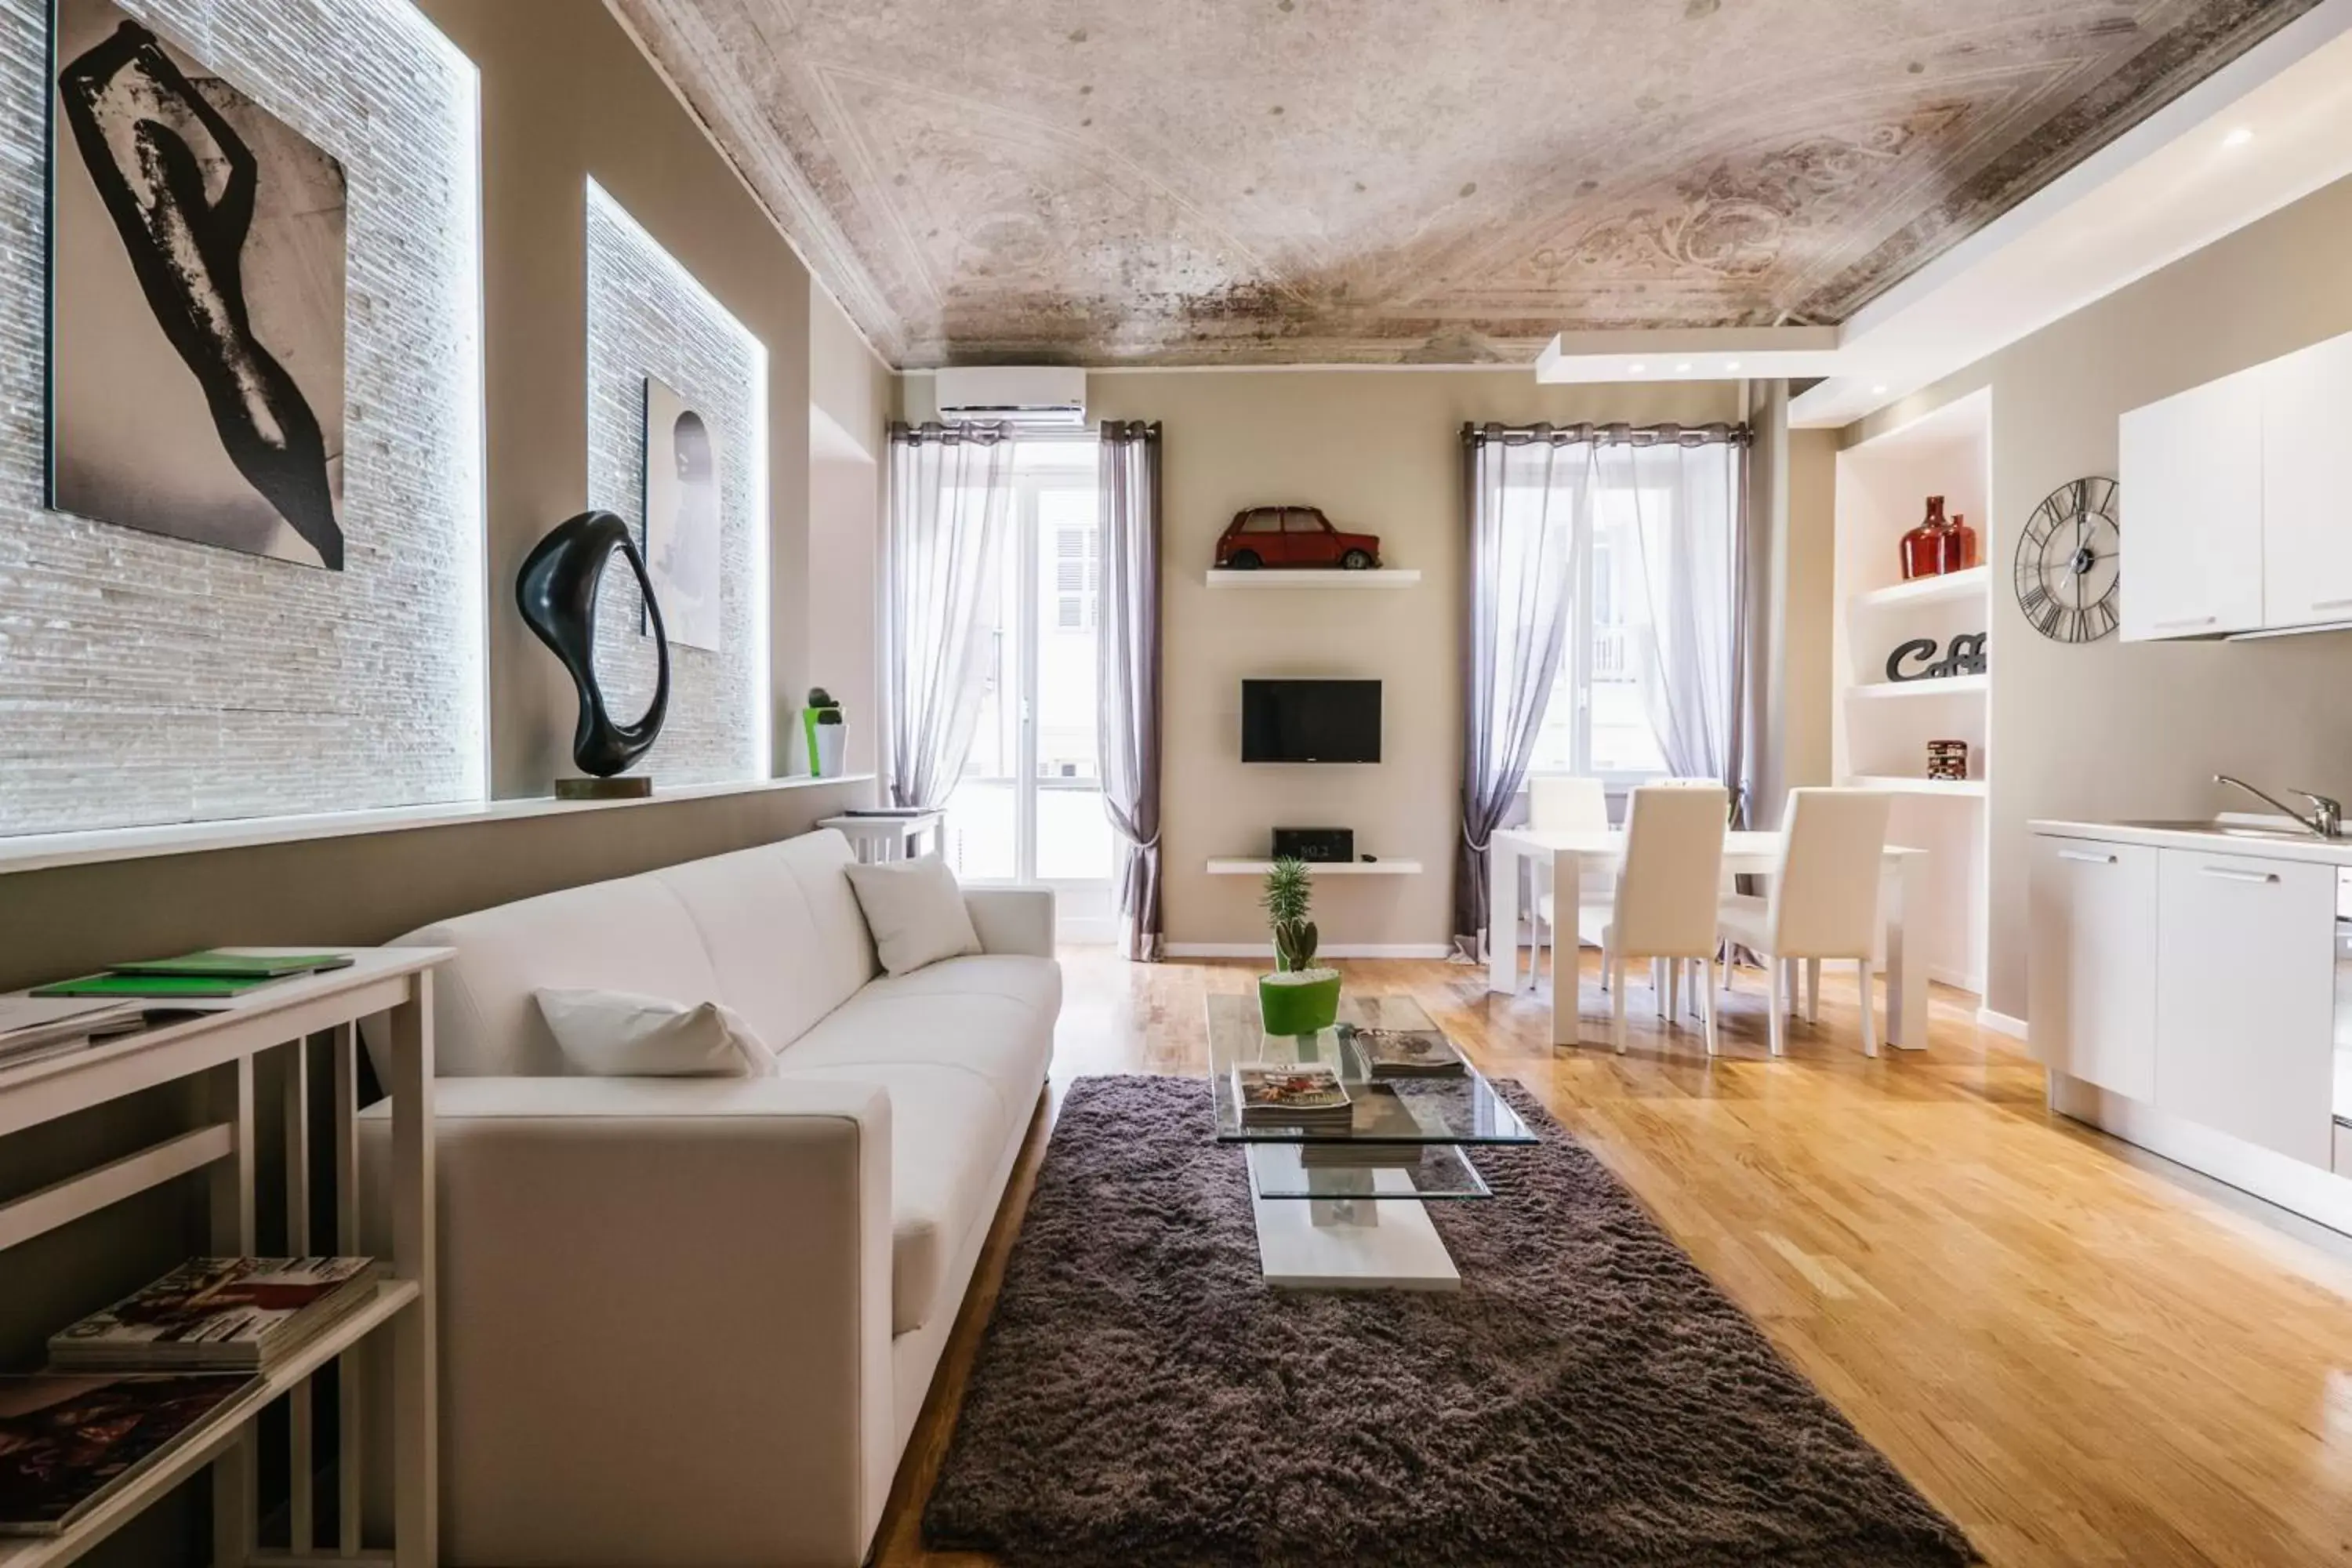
point(1298, 998)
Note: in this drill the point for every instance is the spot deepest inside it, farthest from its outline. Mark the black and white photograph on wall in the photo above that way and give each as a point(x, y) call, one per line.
point(196, 278)
point(682, 516)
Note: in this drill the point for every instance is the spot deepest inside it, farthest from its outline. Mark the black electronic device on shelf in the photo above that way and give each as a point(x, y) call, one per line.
point(1316, 846)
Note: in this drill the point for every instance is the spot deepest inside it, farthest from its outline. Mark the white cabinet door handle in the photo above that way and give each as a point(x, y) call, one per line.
point(2184, 625)
point(2086, 857)
point(2232, 874)
point(2330, 604)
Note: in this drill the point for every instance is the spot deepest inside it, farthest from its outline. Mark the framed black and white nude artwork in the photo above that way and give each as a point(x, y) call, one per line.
point(196, 283)
point(682, 534)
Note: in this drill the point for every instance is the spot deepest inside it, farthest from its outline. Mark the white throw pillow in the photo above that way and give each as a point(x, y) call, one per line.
point(619, 1033)
point(915, 911)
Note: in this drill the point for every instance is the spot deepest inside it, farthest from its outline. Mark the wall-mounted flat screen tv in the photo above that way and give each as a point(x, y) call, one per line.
point(1310, 720)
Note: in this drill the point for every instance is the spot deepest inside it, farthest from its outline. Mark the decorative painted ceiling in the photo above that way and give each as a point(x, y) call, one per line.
point(1400, 181)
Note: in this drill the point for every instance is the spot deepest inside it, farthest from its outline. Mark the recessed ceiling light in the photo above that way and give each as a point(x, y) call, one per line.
point(1683, 369)
point(1637, 369)
point(1878, 390)
point(2237, 137)
point(1731, 365)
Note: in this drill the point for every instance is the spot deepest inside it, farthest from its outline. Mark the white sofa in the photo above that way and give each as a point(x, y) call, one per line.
point(691, 1320)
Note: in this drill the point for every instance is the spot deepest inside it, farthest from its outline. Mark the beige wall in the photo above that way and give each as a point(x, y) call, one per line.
point(1380, 452)
point(2128, 730)
point(851, 396)
point(1808, 585)
point(566, 97)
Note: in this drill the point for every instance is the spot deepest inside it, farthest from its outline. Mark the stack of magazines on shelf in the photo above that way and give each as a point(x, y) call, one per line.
point(1380, 1113)
point(35, 1028)
point(129, 1386)
point(1404, 1052)
point(1306, 1097)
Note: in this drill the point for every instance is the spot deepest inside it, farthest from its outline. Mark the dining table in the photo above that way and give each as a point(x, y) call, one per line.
point(1559, 859)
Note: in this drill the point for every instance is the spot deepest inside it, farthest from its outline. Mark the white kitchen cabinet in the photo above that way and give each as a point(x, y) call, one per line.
point(2245, 998)
point(2192, 480)
point(2306, 480)
point(2091, 984)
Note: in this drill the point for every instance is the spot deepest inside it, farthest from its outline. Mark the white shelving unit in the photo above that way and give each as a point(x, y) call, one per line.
point(1881, 727)
point(212, 1060)
point(1321, 577)
point(1231, 867)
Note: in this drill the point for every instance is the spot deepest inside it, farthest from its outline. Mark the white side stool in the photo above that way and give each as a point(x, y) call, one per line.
point(880, 838)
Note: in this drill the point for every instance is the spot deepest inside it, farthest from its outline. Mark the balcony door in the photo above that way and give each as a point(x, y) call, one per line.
point(1028, 807)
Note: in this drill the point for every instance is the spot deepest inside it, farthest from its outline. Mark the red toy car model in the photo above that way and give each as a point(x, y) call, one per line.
point(1293, 536)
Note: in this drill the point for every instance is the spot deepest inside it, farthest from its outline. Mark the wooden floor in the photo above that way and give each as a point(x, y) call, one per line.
point(2082, 1354)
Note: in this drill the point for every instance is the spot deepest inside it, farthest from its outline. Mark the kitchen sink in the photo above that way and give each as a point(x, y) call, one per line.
point(2234, 830)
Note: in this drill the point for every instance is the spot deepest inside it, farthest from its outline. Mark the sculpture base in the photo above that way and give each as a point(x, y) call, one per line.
point(636, 786)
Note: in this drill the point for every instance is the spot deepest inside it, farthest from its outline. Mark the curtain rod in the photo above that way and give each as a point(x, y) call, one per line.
point(1608, 435)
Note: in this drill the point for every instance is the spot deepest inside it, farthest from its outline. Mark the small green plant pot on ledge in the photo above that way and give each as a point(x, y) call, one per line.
point(1299, 1004)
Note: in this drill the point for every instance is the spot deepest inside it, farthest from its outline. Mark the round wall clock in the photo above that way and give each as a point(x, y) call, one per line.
point(2069, 564)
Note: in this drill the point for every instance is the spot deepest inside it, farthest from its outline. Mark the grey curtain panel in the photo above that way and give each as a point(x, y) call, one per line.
point(1522, 489)
point(1127, 657)
point(950, 488)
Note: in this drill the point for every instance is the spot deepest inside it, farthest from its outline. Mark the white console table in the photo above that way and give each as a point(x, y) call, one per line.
point(878, 839)
point(210, 1059)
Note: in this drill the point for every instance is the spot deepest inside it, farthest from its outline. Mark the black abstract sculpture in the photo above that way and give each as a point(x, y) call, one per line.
point(556, 592)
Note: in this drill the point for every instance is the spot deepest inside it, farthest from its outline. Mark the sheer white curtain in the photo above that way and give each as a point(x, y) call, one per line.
point(1678, 504)
point(1525, 489)
point(950, 488)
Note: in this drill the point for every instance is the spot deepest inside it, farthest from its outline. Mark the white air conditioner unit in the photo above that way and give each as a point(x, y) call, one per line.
point(1033, 397)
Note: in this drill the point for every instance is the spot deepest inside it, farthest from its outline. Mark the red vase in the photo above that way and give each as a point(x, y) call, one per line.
point(1923, 547)
point(1956, 548)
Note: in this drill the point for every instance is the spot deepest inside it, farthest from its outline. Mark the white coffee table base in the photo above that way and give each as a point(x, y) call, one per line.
point(1345, 1243)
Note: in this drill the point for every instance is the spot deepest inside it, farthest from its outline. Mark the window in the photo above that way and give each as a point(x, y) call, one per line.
point(1301, 523)
point(1653, 533)
point(1029, 805)
point(1263, 522)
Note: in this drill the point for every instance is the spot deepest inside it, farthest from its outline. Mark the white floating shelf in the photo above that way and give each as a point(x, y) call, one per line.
point(1302, 577)
point(1940, 685)
point(1898, 784)
point(1228, 867)
point(1971, 583)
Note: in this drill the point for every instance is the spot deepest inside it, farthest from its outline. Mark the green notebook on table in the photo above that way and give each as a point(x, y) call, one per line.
point(215, 964)
point(162, 985)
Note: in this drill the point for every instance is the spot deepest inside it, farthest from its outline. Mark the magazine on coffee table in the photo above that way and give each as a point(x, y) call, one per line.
point(1404, 1052)
point(1274, 1094)
point(70, 1440)
point(229, 1313)
point(1379, 1112)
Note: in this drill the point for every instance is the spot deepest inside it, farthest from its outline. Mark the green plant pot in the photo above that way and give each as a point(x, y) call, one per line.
point(1290, 1006)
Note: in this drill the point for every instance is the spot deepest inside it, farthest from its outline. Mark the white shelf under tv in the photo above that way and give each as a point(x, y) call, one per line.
point(1229, 866)
point(1312, 577)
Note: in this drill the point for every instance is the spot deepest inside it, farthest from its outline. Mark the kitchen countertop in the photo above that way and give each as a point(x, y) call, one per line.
point(2308, 847)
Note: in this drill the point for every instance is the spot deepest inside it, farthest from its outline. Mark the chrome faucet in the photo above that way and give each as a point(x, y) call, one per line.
point(2326, 818)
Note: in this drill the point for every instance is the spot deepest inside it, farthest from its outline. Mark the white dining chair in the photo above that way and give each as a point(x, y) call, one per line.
point(1823, 903)
point(1561, 802)
point(1668, 887)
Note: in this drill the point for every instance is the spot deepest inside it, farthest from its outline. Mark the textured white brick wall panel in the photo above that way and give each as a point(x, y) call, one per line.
point(144, 680)
point(647, 316)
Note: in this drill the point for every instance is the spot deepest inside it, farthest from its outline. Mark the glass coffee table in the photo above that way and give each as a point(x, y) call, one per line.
point(1340, 1209)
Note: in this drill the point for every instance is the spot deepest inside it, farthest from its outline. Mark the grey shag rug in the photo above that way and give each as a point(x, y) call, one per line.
point(1588, 1397)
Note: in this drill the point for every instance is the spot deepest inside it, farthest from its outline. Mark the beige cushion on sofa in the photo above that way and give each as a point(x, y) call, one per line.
point(623, 1034)
point(915, 911)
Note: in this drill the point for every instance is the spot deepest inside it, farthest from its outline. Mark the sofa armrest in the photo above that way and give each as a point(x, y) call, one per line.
point(664, 1318)
point(1013, 920)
